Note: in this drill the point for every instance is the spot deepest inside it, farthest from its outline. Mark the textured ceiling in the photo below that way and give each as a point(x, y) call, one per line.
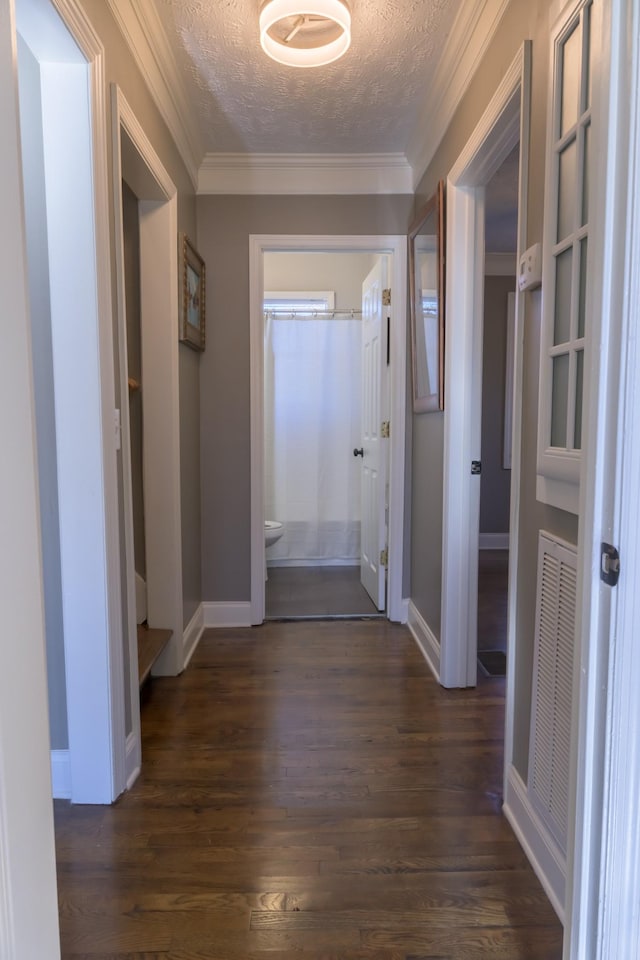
point(364, 103)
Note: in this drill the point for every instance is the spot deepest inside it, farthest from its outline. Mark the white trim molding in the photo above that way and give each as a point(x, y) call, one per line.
point(222, 613)
point(142, 29)
point(60, 775)
point(294, 173)
point(465, 47)
point(542, 851)
point(28, 897)
point(504, 123)
point(192, 634)
point(604, 855)
point(425, 638)
point(404, 610)
point(133, 758)
point(78, 206)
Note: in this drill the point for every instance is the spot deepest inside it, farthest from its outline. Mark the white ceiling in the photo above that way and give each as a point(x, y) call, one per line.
point(367, 124)
point(367, 102)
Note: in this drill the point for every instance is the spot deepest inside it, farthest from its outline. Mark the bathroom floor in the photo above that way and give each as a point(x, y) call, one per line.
point(300, 592)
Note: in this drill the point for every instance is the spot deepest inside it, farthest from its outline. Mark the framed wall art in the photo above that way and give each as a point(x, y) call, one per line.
point(192, 295)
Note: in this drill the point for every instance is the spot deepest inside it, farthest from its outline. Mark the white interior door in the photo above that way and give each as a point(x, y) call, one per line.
point(374, 449)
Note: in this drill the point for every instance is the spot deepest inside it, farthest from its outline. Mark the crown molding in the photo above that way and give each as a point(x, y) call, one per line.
point(142, 29)
point(305, 173)
point(466, 45)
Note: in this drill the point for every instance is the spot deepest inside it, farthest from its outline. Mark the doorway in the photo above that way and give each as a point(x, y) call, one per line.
point(149, 402)
point(504, 124)
point(501, 233)
point(316, 490)
point(372, 247)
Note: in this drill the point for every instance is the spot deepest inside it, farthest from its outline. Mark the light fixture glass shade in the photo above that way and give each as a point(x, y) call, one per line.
point(305, 33)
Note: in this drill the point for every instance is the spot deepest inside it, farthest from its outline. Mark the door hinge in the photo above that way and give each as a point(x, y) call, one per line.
point(384, 558)
point(609, 564)
point(385, 429)
point(386, 297)
point(476, 467)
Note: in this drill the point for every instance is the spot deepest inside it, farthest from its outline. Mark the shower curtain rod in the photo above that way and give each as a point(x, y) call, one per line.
point(311, 314)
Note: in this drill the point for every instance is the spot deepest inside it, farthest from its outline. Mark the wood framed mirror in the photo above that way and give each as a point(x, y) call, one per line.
point(426, 281)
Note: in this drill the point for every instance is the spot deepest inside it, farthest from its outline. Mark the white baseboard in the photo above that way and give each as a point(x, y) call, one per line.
point(425, 638)
point(286, 562)
point(60, 775)
point(191, 635)
point(494, 541)
point(543, 853)
point(223, 614)
point(132, 760)
point(404, 610)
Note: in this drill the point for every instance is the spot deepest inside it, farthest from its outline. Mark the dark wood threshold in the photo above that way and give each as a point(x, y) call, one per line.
point(151, 643)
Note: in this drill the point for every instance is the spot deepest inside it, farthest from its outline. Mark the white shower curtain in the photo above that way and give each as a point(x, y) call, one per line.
point(312, 424)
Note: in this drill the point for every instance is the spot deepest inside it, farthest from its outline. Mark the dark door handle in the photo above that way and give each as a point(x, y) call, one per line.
point(358, 453)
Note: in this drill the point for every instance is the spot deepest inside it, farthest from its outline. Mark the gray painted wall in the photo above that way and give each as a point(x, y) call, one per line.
point(38, 276)
point(343, 273)
point(495, 480)
point(190, 491)
point(523, 19)
point(224, 226)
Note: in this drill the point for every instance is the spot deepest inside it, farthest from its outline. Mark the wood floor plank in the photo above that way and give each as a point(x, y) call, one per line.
point(309, 791)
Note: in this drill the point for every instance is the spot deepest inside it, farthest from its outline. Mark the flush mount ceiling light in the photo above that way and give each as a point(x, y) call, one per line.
point(305, 33)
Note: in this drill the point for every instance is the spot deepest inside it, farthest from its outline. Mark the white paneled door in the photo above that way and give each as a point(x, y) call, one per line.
point(374, 448)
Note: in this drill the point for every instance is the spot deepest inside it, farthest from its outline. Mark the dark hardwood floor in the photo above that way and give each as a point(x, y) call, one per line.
point(317, 592)
point(308, 793)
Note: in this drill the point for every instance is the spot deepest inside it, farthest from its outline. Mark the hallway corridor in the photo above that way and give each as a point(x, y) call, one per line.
point(308, 791)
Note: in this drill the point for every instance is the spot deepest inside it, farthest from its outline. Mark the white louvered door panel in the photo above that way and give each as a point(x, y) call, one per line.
point(549, 747)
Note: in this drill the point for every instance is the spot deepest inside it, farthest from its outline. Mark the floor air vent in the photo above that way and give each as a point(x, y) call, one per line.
point(549, 745)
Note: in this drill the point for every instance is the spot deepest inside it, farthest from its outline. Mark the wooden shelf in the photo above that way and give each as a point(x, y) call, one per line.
point(151, 643)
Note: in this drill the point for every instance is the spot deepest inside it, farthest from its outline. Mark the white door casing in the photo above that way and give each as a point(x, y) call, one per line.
point(373, 531)
point(28, 894)
point(136, 161)
point(504, 123)
point(603, 920)
point(71, 59)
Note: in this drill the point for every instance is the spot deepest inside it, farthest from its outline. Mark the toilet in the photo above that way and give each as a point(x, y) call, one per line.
point(273, 530)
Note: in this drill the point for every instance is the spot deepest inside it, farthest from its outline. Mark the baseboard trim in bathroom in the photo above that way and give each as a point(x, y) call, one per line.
point(328, 616)
point(226, 613)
